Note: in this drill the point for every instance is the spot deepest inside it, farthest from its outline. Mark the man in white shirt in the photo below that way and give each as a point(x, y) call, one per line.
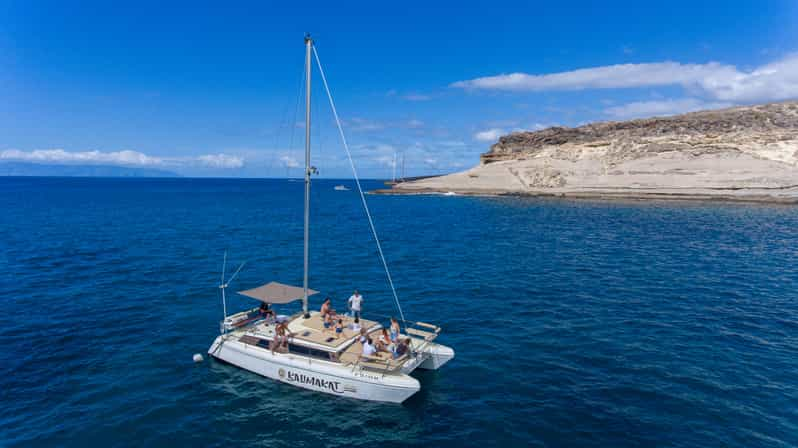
point(356, 304)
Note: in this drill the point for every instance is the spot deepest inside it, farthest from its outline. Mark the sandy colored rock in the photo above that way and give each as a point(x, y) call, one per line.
point(742, 153)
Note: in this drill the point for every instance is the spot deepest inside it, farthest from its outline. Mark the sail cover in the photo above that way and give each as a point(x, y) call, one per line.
point(274, 292)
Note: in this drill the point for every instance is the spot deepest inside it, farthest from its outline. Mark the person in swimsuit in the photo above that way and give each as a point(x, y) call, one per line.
point(339, 329)
point(326, 308)
point(394, 330)
point(281, 333)
point(387, 342)
point(328, 322)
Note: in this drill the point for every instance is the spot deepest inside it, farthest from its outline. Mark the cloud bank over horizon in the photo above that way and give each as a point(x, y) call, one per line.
point(121, 158)
point(774, 81)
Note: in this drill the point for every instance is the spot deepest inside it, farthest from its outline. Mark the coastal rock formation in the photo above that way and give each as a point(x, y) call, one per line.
point(742, 153)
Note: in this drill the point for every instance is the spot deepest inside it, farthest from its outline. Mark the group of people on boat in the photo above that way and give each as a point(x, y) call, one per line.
point(387, 342)
point(333, 322)
point(355, 304)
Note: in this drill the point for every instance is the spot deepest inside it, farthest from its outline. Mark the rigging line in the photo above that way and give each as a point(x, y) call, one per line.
point(284, 118)
point(296, 107)
point(357, 182)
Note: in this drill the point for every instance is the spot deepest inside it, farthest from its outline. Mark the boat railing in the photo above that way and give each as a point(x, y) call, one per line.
point(427, 332)
point(381, 365)
point(416, 325)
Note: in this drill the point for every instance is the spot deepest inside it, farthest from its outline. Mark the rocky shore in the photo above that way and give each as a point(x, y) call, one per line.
point(741, 154)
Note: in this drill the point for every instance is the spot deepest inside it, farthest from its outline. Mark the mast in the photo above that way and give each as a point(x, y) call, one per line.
point(393, 178)
point(308, 47)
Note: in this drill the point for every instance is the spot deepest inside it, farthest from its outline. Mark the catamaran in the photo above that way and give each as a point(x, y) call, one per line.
point(310, 355)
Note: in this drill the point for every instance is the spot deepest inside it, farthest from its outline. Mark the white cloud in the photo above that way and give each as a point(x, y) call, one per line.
point(540, 126)
point(221, 161)
point(358, 124)
point(385, 160)
point(93, 157)
point(289, 162)
point(607, 77)
point(382, 148)
point(123, 158)
point(489, 135)
point(774, 81)
point(451, 144)
point(431, 162)
point(640, 109)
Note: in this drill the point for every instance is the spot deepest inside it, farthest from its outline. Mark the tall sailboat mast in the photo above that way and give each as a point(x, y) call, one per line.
point(308, 48)
point(393, 178)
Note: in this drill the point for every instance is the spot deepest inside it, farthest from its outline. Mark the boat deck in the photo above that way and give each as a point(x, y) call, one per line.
point(349, 348)
point(382, 360)
point(312, 330)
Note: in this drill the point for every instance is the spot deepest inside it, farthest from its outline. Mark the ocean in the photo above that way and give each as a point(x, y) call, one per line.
point(574, 322)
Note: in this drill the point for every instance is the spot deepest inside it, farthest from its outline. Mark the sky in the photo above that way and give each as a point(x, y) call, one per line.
point(213, 89)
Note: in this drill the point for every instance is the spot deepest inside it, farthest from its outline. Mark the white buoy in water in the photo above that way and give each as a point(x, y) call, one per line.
point(197, 357)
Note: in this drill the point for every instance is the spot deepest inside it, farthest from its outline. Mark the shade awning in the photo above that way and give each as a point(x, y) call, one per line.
point(277, 293)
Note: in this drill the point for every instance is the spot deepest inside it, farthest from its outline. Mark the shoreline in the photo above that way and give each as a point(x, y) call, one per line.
point(603, 195)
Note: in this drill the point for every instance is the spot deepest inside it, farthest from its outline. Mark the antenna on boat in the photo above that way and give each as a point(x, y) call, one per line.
point(223, 285)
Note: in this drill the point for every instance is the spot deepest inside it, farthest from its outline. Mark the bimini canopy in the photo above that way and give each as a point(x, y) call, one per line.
point(277, 293)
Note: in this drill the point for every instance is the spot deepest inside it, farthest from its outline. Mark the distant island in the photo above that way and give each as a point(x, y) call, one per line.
point(37, 169)
point(742, 154)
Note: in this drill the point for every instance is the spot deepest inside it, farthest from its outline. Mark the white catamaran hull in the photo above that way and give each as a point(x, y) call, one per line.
point(436, 355)
point(317, 375)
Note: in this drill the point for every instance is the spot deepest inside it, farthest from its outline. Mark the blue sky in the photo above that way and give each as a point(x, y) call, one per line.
point(212, 90)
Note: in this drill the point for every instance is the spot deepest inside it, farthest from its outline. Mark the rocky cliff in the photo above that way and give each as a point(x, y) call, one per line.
point(742, 153)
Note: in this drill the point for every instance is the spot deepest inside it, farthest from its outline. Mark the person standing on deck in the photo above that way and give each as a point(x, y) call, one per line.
point(356, 304)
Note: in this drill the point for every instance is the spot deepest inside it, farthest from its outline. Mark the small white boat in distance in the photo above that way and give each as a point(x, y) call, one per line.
point(340, 188)
point(310, 355)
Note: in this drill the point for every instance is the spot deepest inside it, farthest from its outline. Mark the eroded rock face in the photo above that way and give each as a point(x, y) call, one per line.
point(744, 153)
point(747, 129)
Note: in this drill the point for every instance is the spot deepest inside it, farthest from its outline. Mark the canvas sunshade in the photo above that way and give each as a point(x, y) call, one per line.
point(274, 292)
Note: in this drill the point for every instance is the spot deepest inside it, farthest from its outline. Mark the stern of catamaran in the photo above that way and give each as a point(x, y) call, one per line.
point(429, 355)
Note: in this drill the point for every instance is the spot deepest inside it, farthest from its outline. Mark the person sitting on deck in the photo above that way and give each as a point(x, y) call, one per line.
point(328, 322)
point(265, 311)
point(394, 330)
point(402, 348)
point(326, 308)
point(280, 337)
point(356, 325)
point(339, 329)
point(362, 338)
point(386, 341)
point(368, 348)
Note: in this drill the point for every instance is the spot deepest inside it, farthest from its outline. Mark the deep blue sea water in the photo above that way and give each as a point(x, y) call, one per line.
point(575, 322)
